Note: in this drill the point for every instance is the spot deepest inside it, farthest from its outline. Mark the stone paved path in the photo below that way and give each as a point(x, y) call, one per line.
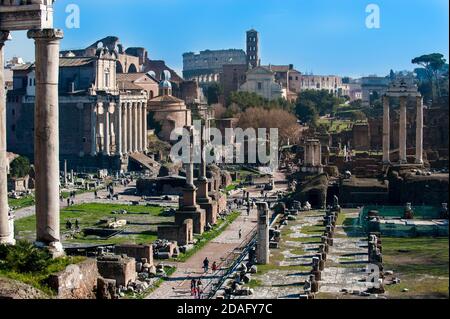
point(178, 286)
point(291, 264)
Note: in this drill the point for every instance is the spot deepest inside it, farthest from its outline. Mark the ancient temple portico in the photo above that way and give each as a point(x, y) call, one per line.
point(403, 91)
point(312, 157)
point(37, 17)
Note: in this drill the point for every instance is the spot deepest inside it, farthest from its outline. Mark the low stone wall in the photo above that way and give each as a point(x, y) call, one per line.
point(76, 281)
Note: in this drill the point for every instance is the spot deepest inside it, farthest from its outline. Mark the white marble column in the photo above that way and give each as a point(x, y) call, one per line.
point(5, 230)
point(106, 131)
point(386, 130)
point(94, 126)
point(46, 144)
point(135, 128)
point(419, 130)
point(144, 129)
point(118, 129)
point(139, 126)
point(124, 128)
point(402, 131)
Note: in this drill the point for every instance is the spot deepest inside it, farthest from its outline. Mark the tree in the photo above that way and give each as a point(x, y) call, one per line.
point(311, 104)
point(20, 167)
point(306, 112)
point(213, 93)
point(285, 122)
point(432, 64)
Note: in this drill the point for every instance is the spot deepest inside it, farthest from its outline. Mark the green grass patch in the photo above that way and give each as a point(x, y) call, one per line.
point(206, 237)
point(255, 283)
point(422, 265)
point(142, 222)
point(23, 202)
point(31, 265)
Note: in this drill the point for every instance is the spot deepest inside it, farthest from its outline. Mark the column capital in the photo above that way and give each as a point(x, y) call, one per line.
point(45, 34)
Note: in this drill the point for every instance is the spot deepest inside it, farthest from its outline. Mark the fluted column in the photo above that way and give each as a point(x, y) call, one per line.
point(139, 126)
point(118, 129)
point(130, 128)
point(386, 130)
point(94, 129)
point(419, 130)
point(144, 128)
point(124, 128)
point(402, 131)
point(106, 131)
point(46, 145)
point(135, 129)
point(5, 231)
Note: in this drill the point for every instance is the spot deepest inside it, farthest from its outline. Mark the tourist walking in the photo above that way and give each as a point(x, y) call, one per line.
point(199, 289)
point(240, 233)
point(193, 287)
point(214, 267)
point(206, 264)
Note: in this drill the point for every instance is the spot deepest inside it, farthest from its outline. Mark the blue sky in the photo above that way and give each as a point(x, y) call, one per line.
point(319, 36)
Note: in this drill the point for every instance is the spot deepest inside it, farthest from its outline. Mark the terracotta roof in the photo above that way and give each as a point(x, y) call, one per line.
point(130, 77)
point(76, 61)
point(166, 99)
point(22, 67)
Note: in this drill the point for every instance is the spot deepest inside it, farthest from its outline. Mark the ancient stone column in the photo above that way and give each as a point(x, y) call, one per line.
point(94, 129)
point(402, 131)
point(140, 127)
point(5, 230)
point(202, 180)
point(46, 144)
point(118, 129)
point(130, 128)
point(135, 129)
point(125, 134)
point(419, 131)
point(386, 130)
point(262, 249)
point(144, 128)
point(106, 131)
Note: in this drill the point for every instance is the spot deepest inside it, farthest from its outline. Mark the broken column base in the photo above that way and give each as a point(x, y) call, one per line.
point(210, 208)
point(55, 248)
point(9, 240)
point(197, 215)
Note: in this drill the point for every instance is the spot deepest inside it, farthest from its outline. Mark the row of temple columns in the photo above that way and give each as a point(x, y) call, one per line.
point(125, 123)
point(402, 130)
point(46, 140)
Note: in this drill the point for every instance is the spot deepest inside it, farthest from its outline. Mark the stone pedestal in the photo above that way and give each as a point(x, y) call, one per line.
point(5, 230)
point(47, 137)
point(263, 239)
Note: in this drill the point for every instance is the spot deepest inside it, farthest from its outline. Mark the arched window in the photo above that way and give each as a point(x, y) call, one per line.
point(132, 69)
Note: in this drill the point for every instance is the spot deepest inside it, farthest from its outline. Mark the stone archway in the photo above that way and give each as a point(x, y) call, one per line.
point(119, 67)
point(132, 69)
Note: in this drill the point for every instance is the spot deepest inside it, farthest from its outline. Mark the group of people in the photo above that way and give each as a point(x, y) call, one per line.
point(196, 288)
point(70, 199)
point(69, 224)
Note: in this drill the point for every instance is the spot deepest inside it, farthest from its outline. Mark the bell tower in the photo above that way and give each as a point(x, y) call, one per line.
point(253, 59)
